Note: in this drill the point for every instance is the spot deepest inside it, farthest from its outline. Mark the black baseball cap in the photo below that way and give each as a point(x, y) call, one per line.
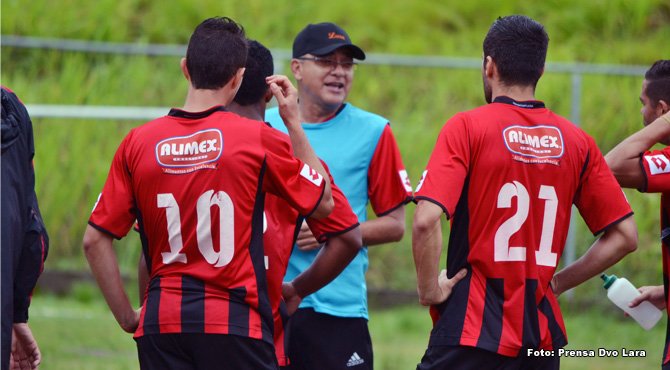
point(324, 38)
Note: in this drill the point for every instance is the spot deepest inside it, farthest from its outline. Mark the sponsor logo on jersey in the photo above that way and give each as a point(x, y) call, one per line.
point(536, 141)
point(405, 180)
point(423, 177)
point(355, 360)
point(196, 149)
point(311, 174)
point(658, 164)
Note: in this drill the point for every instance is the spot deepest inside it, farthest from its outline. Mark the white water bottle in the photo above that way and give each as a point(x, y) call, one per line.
point(622, 292)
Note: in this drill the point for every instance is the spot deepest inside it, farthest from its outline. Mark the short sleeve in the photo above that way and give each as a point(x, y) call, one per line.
point(288, 177)
point(442, 181)
point(114, 213)
point(600, 200)
point(341, 220)
point(389, 186)
point(656, 168)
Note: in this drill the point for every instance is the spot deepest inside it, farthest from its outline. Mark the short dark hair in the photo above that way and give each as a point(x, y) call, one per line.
point(658, 82)
point(216, 50)
point(259, 66)
point(518, 46)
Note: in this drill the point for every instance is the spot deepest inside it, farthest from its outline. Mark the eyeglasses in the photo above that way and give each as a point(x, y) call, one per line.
point(330, 63)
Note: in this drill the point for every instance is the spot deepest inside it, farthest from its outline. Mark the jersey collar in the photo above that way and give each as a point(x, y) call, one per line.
point(530, 104)
point(176, 112)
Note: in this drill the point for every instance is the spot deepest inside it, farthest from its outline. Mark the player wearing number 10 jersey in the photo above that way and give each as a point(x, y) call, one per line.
point(195, 180)
point(507, 174)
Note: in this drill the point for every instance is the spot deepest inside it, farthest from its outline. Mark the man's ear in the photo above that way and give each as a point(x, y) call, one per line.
point(490, 67)
point(296, 68)
point(184, 70)
point(236, 82)
point(268, 95)
point(663, 106)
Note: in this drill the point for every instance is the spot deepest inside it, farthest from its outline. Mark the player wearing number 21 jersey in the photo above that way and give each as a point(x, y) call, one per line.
point(509, 227)
point(506, 175)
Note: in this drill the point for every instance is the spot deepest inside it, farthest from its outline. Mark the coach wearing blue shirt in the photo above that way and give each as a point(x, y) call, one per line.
point(329, 330)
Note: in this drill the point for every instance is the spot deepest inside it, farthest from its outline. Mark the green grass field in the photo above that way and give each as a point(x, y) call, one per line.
point(77, 335)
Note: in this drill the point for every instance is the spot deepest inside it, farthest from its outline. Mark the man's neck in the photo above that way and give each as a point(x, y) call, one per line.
point(518, 93)
point(198, 100)
point(253, 111)
point(315, 113)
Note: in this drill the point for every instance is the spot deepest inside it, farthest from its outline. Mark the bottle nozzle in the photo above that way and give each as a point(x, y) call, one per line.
point(608, 279)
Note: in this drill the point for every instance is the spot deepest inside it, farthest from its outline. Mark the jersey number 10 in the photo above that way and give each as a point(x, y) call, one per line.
point(203, 231)
point(503, 252)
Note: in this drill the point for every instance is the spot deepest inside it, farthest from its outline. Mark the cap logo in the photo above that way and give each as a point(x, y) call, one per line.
point(333, 35)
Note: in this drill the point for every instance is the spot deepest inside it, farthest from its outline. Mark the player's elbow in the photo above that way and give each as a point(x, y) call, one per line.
point(423, 223)
point(625, 233)
point(395, 230)
point(324, 208)
point(353, 239)
point(92, 239)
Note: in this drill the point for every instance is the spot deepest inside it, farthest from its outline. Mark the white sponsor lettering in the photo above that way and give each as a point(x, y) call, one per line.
point(538, 142)
point(192, 148)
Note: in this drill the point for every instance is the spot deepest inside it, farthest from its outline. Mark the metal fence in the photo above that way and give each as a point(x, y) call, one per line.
point(281, 56)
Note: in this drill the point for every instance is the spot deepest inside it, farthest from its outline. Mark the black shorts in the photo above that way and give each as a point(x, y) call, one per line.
point(194, 351)
point(472, 358)
point(325, 342)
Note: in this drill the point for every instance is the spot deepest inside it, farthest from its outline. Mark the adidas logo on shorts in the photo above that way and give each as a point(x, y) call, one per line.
point(354, 360)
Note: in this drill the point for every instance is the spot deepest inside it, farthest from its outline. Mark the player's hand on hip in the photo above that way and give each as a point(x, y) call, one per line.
point(447, 285)
point(306, 240)
point(130, 323)
point(287, 98)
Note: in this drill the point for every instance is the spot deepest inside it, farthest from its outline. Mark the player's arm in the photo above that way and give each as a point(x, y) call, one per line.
point(389, 190)
point(624, 159)
point(433, 285)
point(328, 264)
point(615, 243)
point(99, 251)
point(385, 229)
point(287, 101)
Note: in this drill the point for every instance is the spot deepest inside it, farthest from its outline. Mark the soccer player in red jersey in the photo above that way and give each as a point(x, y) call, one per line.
point(506, 175)
point(196, 180)
point(636, 166)
point(339, 232)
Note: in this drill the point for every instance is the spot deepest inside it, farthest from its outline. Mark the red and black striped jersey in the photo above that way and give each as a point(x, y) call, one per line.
point(196, 183)
point(656, 168)
point(282, 227)
point(507, 175)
